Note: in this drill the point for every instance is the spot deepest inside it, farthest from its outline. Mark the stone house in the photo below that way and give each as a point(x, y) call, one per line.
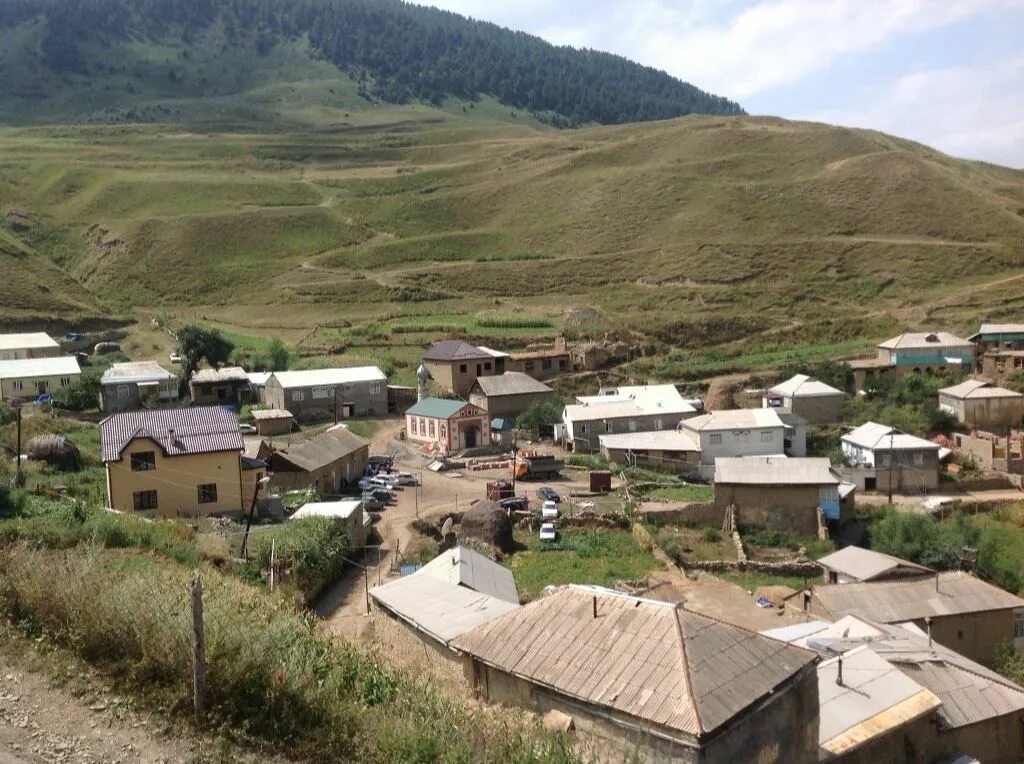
point(271, 422)
point(228, 385)
point(136, 385)
point(542, 361)
point(510, 394)
point(15, 347)
point(321, 394)
point(327, 463)
point(983, 406)
point(808, 398)
point(1001, 365)
point(881, 457)
point(455, 365)
point(447, 426)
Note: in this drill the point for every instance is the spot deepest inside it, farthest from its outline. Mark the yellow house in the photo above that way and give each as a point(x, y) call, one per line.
point(31, 377)
point(177, 462)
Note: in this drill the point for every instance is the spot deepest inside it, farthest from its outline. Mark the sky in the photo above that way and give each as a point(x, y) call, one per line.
point(948, 73)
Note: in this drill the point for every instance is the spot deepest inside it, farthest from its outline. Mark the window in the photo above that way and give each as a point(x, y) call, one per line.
point(375, 388)
point(123, 391)
point(143, 461)
point(545, 363)
point(208, 493)
point(444, 432)
point(144, 499)
point(462, 368)
point(883, 460)
point(766, 436)
point(1018, 624)
point(298, 395)
point(715, 438)
point(431, 426)
point(423, 426)
point(487, 365)
point(632, 425)
point(585, 428)
point(657, 424)
point(528, 365)
point(65, 381)
point(412, 426)
point(321, 392)
point(919, 457)
point(18, 384)
point(561, 363)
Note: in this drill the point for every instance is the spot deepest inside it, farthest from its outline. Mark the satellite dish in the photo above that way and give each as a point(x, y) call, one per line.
point(446, 528)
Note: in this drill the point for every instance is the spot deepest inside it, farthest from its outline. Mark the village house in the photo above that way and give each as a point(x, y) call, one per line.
point(812, 400)
point(625, 409)
point(328, 462)
point(914, 353)
point(746, 432)
point(225, 386)
point(993, 337)
point(455, 365)
point(447, 426)
point(136, 385)
point(938, 706)
point(31, 377)
point(542, 361)
point(663, 448)
point(177, 462)
point(1001, 365)
point(882, 458)
point(854, 564)
point(983, 406)
point(962, 612)
point(643, 675)
point(1004, 453)
point(776, 492)
point(348, 511)
point(271, 422)
point(462, 566)
point(508, 395)
point(15, 347)
point(258, 385)
point(319, 394)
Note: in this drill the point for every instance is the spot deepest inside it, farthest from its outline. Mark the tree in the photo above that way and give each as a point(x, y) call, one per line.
point(542, 414)
point(196, 343)
point(278, 354)
point(82, 394)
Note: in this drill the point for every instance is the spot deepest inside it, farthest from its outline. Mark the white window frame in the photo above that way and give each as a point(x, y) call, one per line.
point(714, 439)
point(65, 381)
point(657, 424)
point(375, 388)
point(767, 436)
point(320, 392)
point(18, 384)
point(298, 395)
point(412, 426)
point(585, 428)
point(919, 458)
point(123, 391)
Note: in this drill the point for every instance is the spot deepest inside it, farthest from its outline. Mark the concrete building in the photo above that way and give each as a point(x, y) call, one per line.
point(225, 386)
point(347, 511)
point(649, 676)
point(15, 347)
point(177, 462)
point(963, 612)
point(447, 426)
point(812, 400)
point(625, 409)
point(983, 406)
point(777, 493)
point(510, 394)
point(327, 463)
point(32, 377)
point(136, 385)
point(320, 394)
point(271, 422)
point(455, 365)
point(992, 337)
point(664, 448)
point(944, 708)
point(258, 385)
point(746, 432)
point(882, 457)
point(854, 564)
point(914, 353)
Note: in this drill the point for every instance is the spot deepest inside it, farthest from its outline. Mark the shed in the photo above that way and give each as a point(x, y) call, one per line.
point(812, 399)
point(270, 422)
point(348, 511)
point(853, 563)
point(777, 492)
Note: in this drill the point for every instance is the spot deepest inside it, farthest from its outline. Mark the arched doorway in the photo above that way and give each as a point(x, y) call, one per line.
point(470, 436)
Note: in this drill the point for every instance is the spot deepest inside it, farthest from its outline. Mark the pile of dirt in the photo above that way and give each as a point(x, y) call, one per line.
point(489, 523)
point(55, 450)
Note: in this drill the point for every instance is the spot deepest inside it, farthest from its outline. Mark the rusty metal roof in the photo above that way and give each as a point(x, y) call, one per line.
point(645, 658)
point(949, 593)
point(193, 430)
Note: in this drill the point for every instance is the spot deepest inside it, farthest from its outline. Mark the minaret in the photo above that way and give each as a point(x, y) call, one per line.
point(422, 382)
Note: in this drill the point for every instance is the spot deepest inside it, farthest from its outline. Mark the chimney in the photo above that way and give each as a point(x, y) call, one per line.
point(170, 437)
point(839, 676)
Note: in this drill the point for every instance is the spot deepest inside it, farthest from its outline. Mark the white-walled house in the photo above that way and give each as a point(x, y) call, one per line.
point(882, 457)
point(626, 409)
point(746, 432)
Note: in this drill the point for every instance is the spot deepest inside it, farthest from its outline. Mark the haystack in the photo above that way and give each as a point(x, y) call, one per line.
point(489, 523)
point(55, 450)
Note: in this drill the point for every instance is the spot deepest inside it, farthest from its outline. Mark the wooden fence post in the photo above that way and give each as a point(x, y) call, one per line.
point(198, 648)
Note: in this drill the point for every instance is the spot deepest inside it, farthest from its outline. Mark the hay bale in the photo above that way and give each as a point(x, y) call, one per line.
point(57, 451)
point(489, 523)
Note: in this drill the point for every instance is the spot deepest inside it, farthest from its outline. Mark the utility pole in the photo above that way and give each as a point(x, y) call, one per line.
point(515, 451)
point(892, 455)
point(18, 477)
point(248, 520)
point(335, 404)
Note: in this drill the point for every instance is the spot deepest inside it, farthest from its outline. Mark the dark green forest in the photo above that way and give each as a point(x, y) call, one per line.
point(396, 51)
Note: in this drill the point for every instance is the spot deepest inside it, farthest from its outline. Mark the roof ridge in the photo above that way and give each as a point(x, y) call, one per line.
point(684, 659)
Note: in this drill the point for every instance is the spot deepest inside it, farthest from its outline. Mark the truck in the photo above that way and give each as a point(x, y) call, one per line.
point(536, 467)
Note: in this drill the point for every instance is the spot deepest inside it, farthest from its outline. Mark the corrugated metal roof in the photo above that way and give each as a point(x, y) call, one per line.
point(437, 408)
point(956, 592)
point(322, 449)
point(774, 470)
point(867, 564)
point(1002, 329)
point(321, 377)
point(875, 437)
point(644, 658)
point(803, 386)
point(918, 340)
point(27, 341)
point(226, 374)
point(465, 567)
point(733, 419)
point(258, 378)
point(976, 388)
point(196, 430)
point(136, 371)
point(438, 608)
point(261, 414)
point(39, 367)
point(337, 509)
point(455, 350)
point(511, 383)
point(660, 440)
point(628, 401)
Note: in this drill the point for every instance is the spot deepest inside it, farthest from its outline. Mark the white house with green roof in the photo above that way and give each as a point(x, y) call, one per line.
point(447, 426)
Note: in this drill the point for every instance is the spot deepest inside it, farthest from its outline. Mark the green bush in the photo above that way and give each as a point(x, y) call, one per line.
point(83, 393)
point(711, 534)
point(315, 546)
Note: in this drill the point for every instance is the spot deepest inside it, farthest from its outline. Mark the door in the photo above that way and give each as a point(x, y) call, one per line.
point(870, 483)
point(41, 386)
point(470, 436)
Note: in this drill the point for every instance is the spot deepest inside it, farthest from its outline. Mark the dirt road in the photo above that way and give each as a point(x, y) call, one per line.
point(913, 502)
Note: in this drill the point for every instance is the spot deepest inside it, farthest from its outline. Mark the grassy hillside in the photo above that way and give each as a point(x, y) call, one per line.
point(723, 235)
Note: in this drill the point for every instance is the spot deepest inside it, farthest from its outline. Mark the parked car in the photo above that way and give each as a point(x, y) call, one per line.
point(693, 477)
point(549, 494)
point(389, 479)
point(549, 510)
point(247, 429)
point(370, 483)
point(548, 532)
point(407, 478)
point(371, 503)
point(43, 398)
point(381, 494)
point(515, 503)
point(175, 357)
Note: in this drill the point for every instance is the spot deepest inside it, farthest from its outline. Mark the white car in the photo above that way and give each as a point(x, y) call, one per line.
point(369, 483)
point(175, 358)
point(407, 478)
point(549, 510)
point(247, 429)
point(548, 532)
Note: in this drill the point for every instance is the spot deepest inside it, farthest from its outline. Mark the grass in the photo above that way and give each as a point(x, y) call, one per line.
point(578, 557)
point(695, 493)
point(688, 544)
point(363, 429)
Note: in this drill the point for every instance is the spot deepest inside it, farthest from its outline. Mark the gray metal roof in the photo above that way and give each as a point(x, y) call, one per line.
point(23, 368)
point(733, 419)
point(322, 449)
point(645, 658)
point(262, 414)
point(326, 377)
point(462, 566)
point(949, 593)
point(27, 341)
point(920, 340)
point(774, 470)
point(193, 430)
point(882, 437)
point(867, 564)
point(136, 371)
point(510, 383)
point(440, 609)
point(803, 386)
point(970, 389)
